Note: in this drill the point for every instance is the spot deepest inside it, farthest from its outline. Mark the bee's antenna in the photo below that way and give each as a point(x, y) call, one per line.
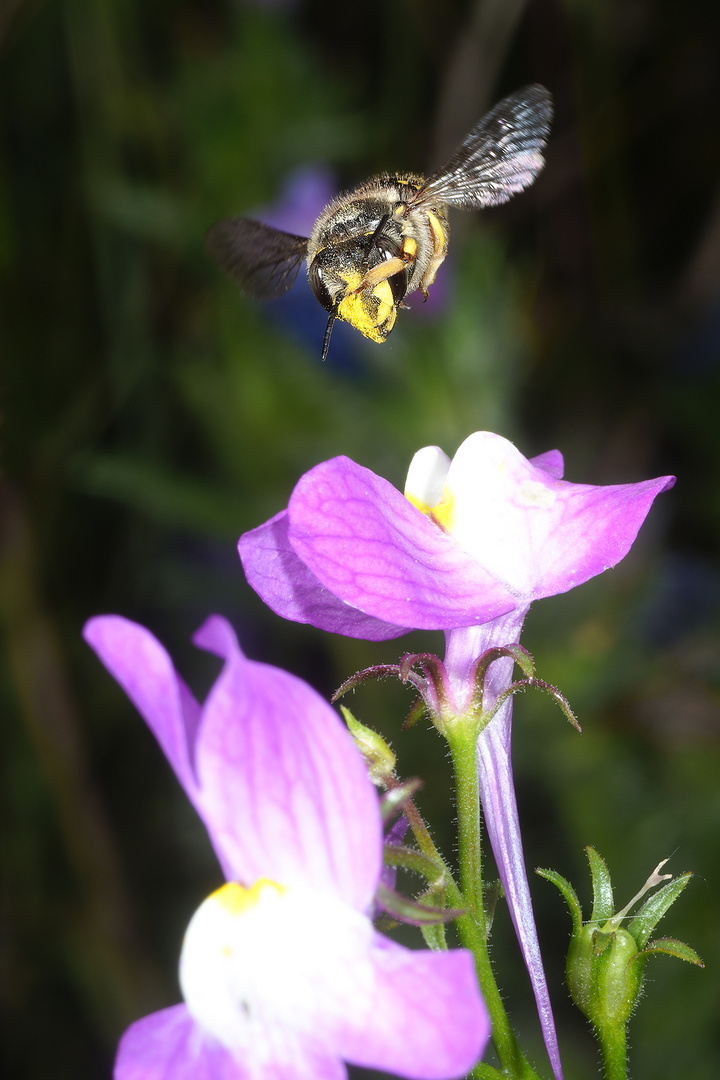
point(328, 332)
point(381, 225)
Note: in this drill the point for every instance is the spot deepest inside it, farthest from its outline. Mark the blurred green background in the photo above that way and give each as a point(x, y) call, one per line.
point(150, 415)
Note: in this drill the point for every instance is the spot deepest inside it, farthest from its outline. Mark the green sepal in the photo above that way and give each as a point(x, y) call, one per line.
point(412, 859)
point(392, 801)
point(603, 903)
point(560, 700)
point(652, 911)
point(531, 684)
point(517, 653)
point(434, 936)
point(568, 892)
point(416, 712)
point(377, 671)
point(420, 912)
point(673, 947)
point(492, 892)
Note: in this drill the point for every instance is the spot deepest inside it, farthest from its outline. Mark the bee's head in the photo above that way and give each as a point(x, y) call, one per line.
point(338, 275)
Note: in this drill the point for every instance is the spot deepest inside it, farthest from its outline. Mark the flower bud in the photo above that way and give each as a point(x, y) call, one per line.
point(379, 758)
point(608, 952)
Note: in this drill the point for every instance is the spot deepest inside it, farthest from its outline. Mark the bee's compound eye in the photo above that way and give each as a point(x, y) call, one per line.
point(398, 285)
point(318, 286)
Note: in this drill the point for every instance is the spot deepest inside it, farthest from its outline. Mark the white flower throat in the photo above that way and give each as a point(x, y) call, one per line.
point(260, 965)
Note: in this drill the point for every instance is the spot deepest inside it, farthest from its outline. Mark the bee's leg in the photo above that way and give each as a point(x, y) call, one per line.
point(385, 270)
point(438, 233)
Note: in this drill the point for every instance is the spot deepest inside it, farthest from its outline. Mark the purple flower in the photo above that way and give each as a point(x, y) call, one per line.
point(282, 972)
point(466, 550)
point(488, 533)
point(305, 193)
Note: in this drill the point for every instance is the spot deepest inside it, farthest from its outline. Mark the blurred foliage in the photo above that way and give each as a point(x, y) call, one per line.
point(150, 415)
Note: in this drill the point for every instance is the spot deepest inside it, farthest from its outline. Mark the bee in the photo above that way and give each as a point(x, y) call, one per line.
point(374, 245)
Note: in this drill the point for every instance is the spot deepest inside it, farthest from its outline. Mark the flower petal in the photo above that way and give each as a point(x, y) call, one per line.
point(146, 673)
point(426, 1019)
point(285, 792)
point(370, 547)
point(593, 529)
point(541, 535)
point(551, 462)
point(291, 590)
point(169, 1045)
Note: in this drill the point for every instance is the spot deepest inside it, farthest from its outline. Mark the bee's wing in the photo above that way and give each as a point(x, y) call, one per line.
point(264, 261)
point(499, 157)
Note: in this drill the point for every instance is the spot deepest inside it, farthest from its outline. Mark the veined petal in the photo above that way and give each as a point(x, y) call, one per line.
point(291, 590)
point(541, 535)
point(353, 556)
point(365, 542)
point(285, 793)
point(146, 673)
point(267, 763)
point(426, 1021)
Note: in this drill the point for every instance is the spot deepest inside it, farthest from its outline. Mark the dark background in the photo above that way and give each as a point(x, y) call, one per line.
point(150, 415)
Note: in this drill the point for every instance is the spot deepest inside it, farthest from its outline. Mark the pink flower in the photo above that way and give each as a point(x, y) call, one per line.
point(282, 973)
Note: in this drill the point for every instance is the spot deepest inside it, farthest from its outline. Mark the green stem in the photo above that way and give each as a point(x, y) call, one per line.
point(613, 1048)
point(472, 926)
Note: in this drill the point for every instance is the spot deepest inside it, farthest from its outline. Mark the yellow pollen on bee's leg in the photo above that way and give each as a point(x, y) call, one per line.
point(371, 311)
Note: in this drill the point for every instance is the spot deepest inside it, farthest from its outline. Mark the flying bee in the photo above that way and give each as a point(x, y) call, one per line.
point(374, 245)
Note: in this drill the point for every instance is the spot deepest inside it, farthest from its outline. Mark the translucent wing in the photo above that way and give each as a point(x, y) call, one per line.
point(499, 157)
point(264, 261)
